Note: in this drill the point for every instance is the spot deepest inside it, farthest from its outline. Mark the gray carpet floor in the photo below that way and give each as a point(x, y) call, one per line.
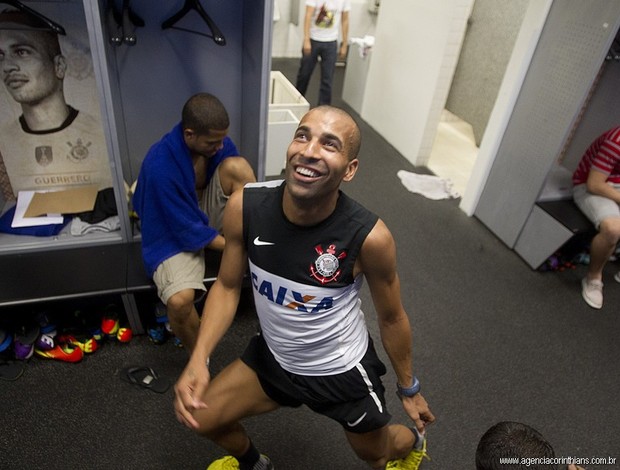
point(493, 340)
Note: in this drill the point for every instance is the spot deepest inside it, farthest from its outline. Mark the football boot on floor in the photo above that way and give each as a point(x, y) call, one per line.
point(86, 344)
point(231, 463)
point(62, 352)
point(24, 342)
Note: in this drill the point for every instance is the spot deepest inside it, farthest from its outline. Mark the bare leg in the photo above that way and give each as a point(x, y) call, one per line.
point(183, 317)
point(235, 173)
point(378, 447)
point(235, 393)
point(602, 247)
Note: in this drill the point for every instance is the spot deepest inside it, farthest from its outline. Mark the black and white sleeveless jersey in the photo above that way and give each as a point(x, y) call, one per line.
point(306, 296)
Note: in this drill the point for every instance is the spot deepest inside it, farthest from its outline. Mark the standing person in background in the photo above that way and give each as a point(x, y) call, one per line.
point(596, 192)
point(321, 28)
point(183, 186)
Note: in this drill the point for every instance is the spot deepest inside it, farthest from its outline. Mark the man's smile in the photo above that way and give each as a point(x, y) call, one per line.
point(307, 172)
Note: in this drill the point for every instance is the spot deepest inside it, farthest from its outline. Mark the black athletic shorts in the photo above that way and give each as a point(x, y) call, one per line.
point(355, 399)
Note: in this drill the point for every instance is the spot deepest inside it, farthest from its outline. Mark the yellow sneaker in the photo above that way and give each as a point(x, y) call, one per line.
point(231, 463)
point(225, 463)
point(411, 462)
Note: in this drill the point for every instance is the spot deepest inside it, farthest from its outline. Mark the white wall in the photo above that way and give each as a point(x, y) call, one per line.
point(521, 56)
point(417, 45)
point(288, 36)
point(491, 34)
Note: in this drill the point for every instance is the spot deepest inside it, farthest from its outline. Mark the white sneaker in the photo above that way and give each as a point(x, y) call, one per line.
point(617, 276)
point(592, 292)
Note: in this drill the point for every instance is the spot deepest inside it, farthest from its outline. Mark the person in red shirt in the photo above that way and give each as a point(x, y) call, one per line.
point(596, 192)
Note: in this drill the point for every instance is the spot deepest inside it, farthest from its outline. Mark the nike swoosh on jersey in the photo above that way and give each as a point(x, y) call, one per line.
point(259, 242)
point(357, 421)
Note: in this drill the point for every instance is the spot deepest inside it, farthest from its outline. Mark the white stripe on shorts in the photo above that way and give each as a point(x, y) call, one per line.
point(374, 396)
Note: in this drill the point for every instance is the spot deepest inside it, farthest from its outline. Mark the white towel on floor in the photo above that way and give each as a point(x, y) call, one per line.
point(430, 186)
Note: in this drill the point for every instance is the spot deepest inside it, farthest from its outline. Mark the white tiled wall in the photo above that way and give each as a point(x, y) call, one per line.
point(457, 26)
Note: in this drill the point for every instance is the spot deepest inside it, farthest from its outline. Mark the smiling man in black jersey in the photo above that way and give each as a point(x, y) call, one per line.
point(314, 348)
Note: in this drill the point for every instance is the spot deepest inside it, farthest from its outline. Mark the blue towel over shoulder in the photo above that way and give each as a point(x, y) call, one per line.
point(166, 201)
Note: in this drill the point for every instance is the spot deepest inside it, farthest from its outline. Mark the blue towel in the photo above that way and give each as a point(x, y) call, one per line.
point(37, 231)
point(166, 201)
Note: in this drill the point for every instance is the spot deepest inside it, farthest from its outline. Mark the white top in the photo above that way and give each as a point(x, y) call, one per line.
point(326, 20)
point(326, 335)
point(75, 155)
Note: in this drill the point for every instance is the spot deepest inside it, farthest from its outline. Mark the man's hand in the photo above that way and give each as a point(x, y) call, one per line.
point(418, 410)
point(188, 392)
point(307, 47)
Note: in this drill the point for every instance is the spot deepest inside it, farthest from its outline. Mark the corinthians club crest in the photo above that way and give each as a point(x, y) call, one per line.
point(326, 267)
point(78, 151)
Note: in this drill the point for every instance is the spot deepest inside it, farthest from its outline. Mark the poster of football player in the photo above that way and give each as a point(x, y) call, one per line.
point(51, 134)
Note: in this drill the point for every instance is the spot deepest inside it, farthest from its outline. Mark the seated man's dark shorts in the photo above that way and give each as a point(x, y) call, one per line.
point(355, 399)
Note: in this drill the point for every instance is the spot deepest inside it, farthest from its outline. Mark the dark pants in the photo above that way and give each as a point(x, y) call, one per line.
point(328, 52)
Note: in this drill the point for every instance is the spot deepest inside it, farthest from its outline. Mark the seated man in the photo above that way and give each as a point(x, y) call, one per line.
point(596, 192)
point(182, 189)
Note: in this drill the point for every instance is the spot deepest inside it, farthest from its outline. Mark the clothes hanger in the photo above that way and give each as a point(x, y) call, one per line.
point(114, 27)
point(122, 25)
point(216, 34)
point(130, 21)
point(52, 25)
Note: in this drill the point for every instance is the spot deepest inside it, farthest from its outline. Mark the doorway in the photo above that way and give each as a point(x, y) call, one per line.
point(454, 151)
point(492, 29)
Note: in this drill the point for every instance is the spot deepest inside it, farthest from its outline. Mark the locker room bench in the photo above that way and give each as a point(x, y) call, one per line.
point(73, 273)
point(551, 224)
point(63, 274)
point(568, 214)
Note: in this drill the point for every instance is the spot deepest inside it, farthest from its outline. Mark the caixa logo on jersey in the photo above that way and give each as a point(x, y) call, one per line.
point(290, 298)
point(326, 267)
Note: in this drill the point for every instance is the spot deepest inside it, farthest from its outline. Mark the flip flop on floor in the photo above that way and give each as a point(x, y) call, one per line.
point(5, 340)
point(11, 370)
point(145, 377)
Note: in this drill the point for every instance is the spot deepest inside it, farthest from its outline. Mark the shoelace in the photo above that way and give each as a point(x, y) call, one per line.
point(411, 462)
